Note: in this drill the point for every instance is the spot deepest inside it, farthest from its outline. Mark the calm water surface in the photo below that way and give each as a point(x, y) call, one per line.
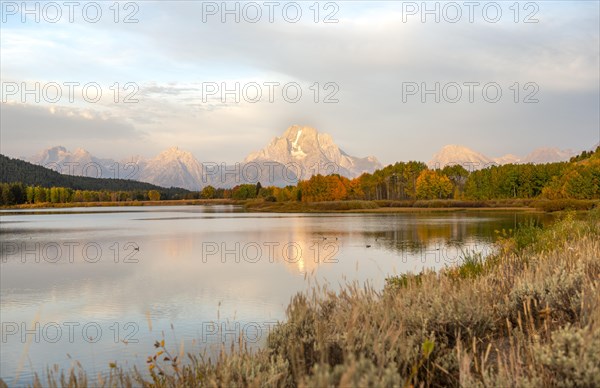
point(100, 285)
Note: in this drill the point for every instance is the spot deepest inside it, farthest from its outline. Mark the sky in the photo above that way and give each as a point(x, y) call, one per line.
point(508, 79)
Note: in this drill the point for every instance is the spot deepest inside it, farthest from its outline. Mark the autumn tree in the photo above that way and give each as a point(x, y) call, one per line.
point(580, 180)
point(432, 184)
point(154, 195)
point(324, 188)
point(354, 189)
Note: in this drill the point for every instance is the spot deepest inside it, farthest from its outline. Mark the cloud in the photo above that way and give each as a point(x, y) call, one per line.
point(26, 128)
point(370, 53)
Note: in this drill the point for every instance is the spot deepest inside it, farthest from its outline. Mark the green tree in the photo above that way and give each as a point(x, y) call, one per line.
point(39, 195)
point(458, 176)
point(208, 192)
point(7, 197)
point(29, 192)
point(54, 195)
point(258, 187)
point(245, 191)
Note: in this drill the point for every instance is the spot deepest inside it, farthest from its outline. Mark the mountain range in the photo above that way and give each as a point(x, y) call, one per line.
point(470, 159)
point(299, 153)
point(79, 162)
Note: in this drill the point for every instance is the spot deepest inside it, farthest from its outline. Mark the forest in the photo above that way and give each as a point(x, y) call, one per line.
point(577, 179)
point(23, 182)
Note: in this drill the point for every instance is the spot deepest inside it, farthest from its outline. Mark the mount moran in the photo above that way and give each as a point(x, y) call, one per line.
point(298, 154)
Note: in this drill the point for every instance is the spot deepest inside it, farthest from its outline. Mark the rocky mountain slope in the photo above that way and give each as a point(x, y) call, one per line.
point(308, 152)
point(470, 159)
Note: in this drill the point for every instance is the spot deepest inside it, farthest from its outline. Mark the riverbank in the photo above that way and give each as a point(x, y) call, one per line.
point(354, 206)
point(175, 202)
point(365, 207)
point(527, 316)
point(419, 206)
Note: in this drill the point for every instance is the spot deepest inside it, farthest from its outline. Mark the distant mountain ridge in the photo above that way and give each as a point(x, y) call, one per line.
point(299, 153)
point(79, 162)
point(548, 155)
point(17, 170)
point(468, 158)
point(457, 154)
point(172, 167)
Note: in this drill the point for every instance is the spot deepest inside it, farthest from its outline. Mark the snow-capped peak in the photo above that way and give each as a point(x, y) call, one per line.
point(296, 148)
point(470, 159)
point(313, 153)
point(173, 167)
point(457, 154)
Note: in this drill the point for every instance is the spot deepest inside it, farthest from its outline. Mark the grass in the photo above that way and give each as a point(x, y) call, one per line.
point(528, 316)
point(473, 264)
point(553, 205)
point(173, 202)
point(360, 206)
point(308, 207)
point(390, 206)
point(379, 206)
point(456, 203)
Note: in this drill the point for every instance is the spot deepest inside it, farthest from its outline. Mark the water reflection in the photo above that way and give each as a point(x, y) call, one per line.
point(194, 266)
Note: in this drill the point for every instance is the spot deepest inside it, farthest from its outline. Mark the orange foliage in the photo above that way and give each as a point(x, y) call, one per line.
point(326, 188)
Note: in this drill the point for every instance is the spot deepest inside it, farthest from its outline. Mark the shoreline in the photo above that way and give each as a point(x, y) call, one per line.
point(350, 206)
point(439, 209)
point(171, 202)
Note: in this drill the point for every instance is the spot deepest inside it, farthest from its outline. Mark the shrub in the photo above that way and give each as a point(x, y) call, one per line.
point(553, 205)
point(572, 357)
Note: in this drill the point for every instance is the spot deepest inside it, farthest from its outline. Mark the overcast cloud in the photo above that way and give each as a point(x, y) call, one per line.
point(369, 53)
